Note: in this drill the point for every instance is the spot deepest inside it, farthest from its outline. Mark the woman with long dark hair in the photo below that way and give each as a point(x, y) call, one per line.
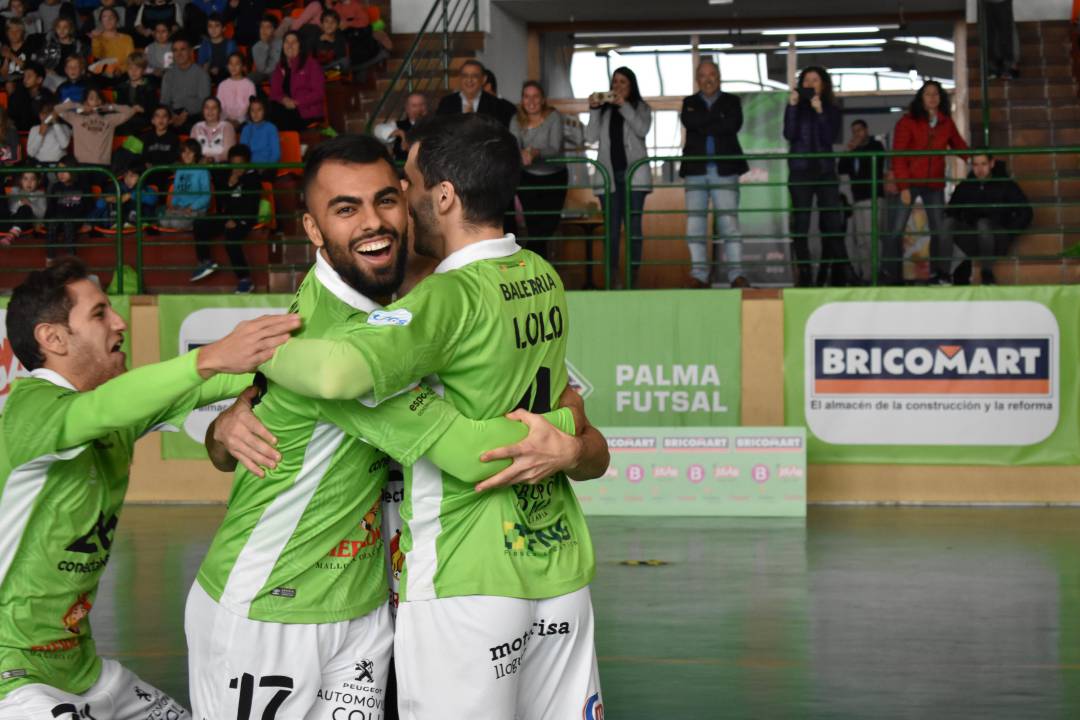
point(811, 125)
point(926, 125)
point(297, 86)
point(620, 124)
point(538, 128)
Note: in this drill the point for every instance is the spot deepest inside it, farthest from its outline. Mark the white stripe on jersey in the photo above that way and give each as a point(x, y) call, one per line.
point(23, 486)
point(425, 527)
point(271, 534)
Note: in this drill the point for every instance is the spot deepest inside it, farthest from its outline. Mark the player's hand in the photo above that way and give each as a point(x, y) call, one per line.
point(545, 451)
point(249, 345)
point(240, 433)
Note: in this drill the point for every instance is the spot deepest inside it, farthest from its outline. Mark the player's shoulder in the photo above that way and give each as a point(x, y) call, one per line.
point(31, 413)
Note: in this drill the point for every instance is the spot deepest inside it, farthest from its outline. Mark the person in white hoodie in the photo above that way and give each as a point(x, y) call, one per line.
point(26, 203)
point(48, 141)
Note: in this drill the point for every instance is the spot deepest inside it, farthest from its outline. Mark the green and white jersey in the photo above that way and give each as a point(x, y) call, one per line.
point(64, 462)
point(492, 324)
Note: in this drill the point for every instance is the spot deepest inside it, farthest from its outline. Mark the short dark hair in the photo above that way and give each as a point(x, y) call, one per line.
point(861, 122)
point(215, 17)
point(270, 19)
point(330, 13)
point(475, 63)
point(193, 146)
point(355, 149)
point(240, 151)
point(489, 78)
point(41, 298)
point(475, 154)
point(36, 67)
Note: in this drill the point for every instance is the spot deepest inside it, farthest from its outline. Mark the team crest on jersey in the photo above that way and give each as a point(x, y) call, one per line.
point(594, 708)
point(397, 558)
point(399, 317)
point(365, 671)
point(75, 614)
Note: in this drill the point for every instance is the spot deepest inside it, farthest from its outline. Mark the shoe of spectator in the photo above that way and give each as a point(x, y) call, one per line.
point(205, 270)
point(740, 282)
point(695, 284)
point(962, 274)
point(937, 279)
point(1011, 74)
point(245, 286)
point(988, 278)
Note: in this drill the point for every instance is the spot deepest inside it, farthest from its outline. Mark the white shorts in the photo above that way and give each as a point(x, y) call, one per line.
point(497, 658)
point(117, 695)
point(246, 669)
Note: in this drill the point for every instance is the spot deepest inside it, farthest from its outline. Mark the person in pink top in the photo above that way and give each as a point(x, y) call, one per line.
point(214, 135)
point(297, 87)
point(236, 91)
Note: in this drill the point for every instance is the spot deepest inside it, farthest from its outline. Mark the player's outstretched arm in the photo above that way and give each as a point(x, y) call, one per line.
point(321, 368)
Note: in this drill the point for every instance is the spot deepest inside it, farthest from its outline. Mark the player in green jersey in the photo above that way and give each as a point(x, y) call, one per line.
point(67, 438)
point(495, 619)
point(289, 616)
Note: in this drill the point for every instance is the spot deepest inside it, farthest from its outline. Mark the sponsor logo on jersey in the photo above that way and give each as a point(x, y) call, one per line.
point(365, 671)
point(397, 558)
point(12, 674)
point(75, 614)
point(520, 539)
point(399, 317)
point(284, 592)
point(371, 529)
point(594, 708)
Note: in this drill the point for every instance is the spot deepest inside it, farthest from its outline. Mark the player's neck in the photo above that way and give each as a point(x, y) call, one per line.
point(468, 235)
point(68, 372)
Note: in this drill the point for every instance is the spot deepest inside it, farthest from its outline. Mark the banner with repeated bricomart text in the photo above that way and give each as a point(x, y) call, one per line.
point(190, 321)
point(972, 376)
point(657, 358)
point(11, 368)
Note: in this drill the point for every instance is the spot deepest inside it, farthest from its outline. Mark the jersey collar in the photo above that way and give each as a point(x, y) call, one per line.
point(52, 376)
point(483, 250)
point(330, 279)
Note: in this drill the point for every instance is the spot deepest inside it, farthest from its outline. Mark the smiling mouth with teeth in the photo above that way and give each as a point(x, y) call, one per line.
point(373, 246)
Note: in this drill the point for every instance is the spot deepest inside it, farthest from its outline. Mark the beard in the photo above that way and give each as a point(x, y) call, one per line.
point(426, 236)
point(375, 282)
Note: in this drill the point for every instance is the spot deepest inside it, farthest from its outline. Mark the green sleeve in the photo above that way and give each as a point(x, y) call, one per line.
point(391, 351)
point(218, 388)
point(458, 451)
point(130, 400)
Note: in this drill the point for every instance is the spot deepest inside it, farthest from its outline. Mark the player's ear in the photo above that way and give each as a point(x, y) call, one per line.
point(313, 232)
point(445, 197)
point(51, 338)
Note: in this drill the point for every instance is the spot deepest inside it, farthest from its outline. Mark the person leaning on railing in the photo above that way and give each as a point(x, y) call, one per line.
point(925, 126)
point(620, 126)
point(861, 172)
point(538, 128)
point(712, 120)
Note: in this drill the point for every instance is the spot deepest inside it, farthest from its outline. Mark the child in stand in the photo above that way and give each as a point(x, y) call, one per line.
point(26, 204)
point(138, 90)
point(215, 136)
point(77, 83)
point(260, 135)
point(214, 51)
point(241, 205)
point(68, 209)
point(331, 50)
point(130, 199)
point(93, 123)
point(159, 52)
point(266, 53)
point(47, 142)
point(236, 92)
point(190, 196)
point(157, 12)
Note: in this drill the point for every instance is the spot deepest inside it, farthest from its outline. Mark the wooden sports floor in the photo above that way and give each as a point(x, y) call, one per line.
point(855, 613)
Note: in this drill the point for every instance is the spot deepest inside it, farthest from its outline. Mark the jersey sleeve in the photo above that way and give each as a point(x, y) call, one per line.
point(218, 388)
point(390, 352)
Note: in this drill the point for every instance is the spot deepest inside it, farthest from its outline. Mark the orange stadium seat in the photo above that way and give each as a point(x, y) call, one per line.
point(290, 151)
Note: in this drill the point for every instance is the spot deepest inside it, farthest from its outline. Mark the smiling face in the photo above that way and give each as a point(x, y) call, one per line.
point(93, 336)
point(472, 80)
point(290, 46)
point(416, 107)
point(211, 111)
point(532, 100)
point(708, 79)
point(358, 218)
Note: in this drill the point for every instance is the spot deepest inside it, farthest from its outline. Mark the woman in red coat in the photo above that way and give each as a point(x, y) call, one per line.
point(925, 126)
point(297, 87)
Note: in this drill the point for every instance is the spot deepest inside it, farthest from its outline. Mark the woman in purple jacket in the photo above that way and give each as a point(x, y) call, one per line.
point(297, 87)
point(811, 125)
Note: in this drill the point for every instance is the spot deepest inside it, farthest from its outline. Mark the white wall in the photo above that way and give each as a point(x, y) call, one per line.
point(1026, 10)
point(408, 15)
point(505, 52)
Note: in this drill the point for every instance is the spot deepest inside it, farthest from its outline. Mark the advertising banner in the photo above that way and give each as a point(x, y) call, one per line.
point(973, 376)
point(190, 321)
point(11, 368)
point(657, 358)
point(707, 471)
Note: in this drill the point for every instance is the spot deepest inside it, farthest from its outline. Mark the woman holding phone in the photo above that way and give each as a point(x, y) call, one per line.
point(811, 125)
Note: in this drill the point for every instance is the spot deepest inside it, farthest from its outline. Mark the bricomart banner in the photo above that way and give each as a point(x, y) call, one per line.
point(657, 358)
point(973, 376)
point(187, 322)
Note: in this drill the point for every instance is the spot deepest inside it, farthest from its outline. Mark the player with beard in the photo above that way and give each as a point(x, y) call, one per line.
point(495, 619)
point(288, 614)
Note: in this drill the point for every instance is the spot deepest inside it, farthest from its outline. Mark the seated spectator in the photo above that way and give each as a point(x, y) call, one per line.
point(197, 14)
point(245, 17)
point(11, 149)
point(266, 53)
point(153, 13)
point(240, 205)
point(27, 204)
point(366, 46)
point(190, 197)
point(121, 14)
point(160, 144)
point(61, 44)
point(138, 90)
point(48, 141)
point(159, 52)
point(215, 49)
point(49, 11)
point(236, 91)
point(131, 197)
point(93, 125)
point(77, 83)
point(31, 22)
point(184, 86)
point(397, 133)
point(26, 101)
point(471, 96)
point(214, 135)
point(538, 128)
point(19, 48)
point(68, 209)
point(986, 213)
point(297, 87)
point(111, 47)
point(260, 135)
point(306, 24)
point(507, 109)
point(330, 50)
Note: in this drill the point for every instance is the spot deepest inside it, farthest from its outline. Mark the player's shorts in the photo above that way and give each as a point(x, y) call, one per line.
point(242, 668)
point(493, 658)
point(117, 695)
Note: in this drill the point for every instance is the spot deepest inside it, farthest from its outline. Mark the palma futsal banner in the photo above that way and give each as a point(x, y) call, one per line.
point(973, 376)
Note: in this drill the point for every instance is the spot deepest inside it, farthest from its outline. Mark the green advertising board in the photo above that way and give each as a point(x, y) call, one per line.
point(657, 358)
point(972, 376)
point(702, 471)
point(190, 321)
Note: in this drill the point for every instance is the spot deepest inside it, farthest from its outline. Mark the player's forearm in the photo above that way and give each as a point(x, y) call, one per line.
point(328, 369)
point(594, 458)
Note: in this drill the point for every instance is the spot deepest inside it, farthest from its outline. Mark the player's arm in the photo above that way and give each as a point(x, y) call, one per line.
point(236, 435)
point(144, 394)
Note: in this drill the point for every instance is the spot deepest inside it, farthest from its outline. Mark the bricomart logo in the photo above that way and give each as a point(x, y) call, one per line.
point(932, 373)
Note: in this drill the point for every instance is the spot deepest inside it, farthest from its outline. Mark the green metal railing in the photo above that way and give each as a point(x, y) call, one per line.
point(427, 65)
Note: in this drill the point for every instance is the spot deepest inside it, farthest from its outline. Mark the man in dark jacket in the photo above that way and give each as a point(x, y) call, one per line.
point(471, 96)
point(712, 120)
point(987, 211)
point(860, 172)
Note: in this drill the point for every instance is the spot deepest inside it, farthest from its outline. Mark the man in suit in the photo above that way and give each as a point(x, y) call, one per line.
point(472, 98)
